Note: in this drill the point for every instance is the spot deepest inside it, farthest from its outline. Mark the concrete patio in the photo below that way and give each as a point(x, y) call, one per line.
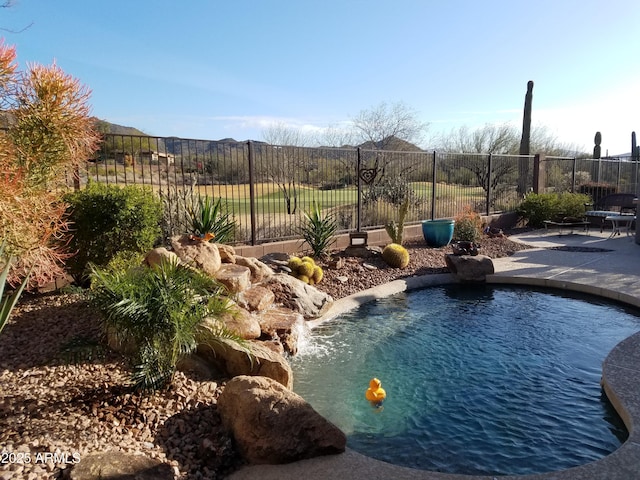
point(593, 264)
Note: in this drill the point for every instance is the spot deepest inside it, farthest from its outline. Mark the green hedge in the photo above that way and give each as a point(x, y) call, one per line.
point(107, 220)
point(536, 208)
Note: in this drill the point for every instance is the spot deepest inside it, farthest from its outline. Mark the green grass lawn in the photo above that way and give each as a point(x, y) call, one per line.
point(273, 201)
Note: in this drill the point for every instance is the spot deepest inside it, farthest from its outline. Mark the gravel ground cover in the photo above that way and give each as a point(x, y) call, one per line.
point(54, 410)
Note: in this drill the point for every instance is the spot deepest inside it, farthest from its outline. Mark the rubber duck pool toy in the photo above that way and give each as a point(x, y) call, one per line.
point(375, 393)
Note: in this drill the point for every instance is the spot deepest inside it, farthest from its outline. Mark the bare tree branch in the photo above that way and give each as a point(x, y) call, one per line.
point(9, 4)
point(382, 126)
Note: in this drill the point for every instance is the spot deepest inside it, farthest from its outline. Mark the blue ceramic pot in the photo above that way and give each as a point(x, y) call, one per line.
point(438, 233)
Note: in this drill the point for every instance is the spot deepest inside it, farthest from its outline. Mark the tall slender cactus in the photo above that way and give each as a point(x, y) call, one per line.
point(525, 141)
point(635, 151)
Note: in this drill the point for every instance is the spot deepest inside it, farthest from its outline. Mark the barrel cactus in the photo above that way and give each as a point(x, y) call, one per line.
point(294, 263)
point(305, 270)
point(396, 255)
point(308, 260)
point(318, 274)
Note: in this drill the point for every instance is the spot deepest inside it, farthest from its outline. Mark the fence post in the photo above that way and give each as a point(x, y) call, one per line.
point(252, 196)
point(489, 170)
point(433, 188)
point(538, 173)
point(359, 204)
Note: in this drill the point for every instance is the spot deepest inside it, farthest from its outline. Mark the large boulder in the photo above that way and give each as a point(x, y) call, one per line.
point(283, 325)
point(254, 359)
point(197, 253)
point(227, 253)
point(469, 268)
point(239, 321)
point(277, 261)
point(259, 270)
point(236, 278)
point(298, 296)
point(157, 255)
point(120, 465)
point(274, 425)
point(256, 299)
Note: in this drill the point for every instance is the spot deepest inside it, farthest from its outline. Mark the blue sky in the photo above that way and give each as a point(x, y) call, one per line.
point(216, 69)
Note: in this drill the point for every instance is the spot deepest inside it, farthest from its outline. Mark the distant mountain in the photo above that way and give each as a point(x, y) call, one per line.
point(179, 146)
point(391, 143)
point(107, 127)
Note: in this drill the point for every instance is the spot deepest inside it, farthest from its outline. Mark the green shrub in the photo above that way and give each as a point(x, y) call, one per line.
point(124, 260)
point(158, 311)
point(468, 226)
point(572, 205)
point(537, 208)
point(106, 220)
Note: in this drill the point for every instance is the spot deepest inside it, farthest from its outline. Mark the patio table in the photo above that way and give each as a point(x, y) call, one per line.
point(620, 221)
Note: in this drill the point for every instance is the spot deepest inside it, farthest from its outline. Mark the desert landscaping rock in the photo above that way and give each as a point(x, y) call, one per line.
point(467, 268)
point(295, 295)
point(110, 465)
point(259, 270)
point(350, 277)
point(157, 255)
point(256, 299)
point(284, 325)
point(236, 278)
point(239, 321)
point(199, 254)
point(227, 253)
point(271, 424)
point(252, 359)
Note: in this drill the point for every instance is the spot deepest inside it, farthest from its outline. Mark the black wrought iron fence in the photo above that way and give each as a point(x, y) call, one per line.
point(594, 177)
point(267, 188)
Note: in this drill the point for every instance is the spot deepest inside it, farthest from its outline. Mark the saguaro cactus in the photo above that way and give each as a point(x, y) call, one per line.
point(525, 141)
point(597, 150)
point(635, 150)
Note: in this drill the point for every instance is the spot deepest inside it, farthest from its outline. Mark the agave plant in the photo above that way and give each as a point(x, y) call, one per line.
point(8, 302)
point(158, 311)
point(319, 230)
point(209, 218)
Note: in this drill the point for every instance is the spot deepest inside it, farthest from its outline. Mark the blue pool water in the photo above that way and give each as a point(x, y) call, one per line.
point(479, 380)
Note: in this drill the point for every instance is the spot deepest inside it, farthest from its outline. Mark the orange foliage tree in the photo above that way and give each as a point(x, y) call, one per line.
point(49, 132)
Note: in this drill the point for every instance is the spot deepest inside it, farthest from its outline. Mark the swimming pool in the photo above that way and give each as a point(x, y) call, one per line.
point(479, 380)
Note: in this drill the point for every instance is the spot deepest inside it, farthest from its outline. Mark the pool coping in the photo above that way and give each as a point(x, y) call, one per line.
point(620, 381)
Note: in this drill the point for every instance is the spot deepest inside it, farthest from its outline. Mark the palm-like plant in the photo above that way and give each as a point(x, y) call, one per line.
point(159, 312)
point(319, 230)
point(209, 217)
